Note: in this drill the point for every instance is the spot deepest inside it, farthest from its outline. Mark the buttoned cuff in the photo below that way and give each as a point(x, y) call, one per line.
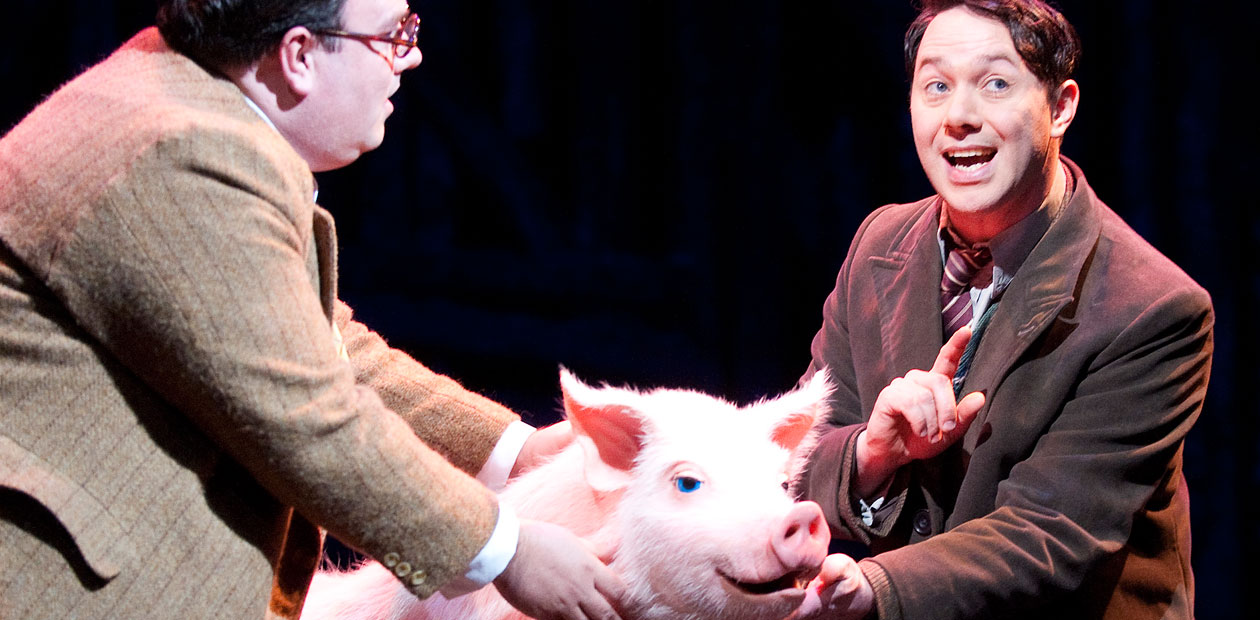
point(498, 467)
point(493, 557)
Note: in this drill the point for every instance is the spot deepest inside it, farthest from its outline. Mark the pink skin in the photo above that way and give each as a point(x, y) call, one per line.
point(986, 129)
point(330, 101)
point(350, 100)
point(801, 540)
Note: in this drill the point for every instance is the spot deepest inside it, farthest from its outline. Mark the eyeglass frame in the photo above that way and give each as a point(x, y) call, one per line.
point(402, 47)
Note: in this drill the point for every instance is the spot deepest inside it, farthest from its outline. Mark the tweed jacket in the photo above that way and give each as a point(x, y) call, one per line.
point(176, 410)
point(1065, 498)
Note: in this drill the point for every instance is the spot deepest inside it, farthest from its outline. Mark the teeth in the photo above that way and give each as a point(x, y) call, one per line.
point(969, 158)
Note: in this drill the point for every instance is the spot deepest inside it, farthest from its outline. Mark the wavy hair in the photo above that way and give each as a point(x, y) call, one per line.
point(1042, 36)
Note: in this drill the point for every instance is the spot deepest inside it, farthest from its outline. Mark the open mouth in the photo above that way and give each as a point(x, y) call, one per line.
point(967, 159)
point(794, 580)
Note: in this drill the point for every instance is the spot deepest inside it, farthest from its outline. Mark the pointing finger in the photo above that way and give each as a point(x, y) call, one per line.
point(947, 360)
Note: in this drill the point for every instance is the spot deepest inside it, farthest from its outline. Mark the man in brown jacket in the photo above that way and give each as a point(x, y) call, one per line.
point(183, 399)
point(1054, 487)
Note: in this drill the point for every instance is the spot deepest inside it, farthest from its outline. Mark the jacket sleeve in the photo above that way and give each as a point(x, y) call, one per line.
point(463, 426)
point(190, 269)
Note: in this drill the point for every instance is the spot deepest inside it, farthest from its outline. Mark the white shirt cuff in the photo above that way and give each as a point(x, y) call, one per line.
point(498, 467)
point(492, 558)
point(501, 547)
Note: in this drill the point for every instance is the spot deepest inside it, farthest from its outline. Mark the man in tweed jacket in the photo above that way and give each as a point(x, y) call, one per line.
point(1053, 487)
point(177, 413)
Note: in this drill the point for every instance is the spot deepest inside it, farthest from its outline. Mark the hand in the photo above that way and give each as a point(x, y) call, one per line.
point(556, 575)
point(541, 445)
point(915, 417)
point(839, 592)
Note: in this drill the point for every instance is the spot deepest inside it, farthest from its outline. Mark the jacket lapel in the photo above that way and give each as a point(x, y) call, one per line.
point(906, 282)
point(325, 241)
point(1044, 287)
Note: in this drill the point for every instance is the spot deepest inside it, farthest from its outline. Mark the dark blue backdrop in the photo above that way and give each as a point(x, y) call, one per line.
point(660, 192)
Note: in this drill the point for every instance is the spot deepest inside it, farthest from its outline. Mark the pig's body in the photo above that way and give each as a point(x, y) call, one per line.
point(687, 488)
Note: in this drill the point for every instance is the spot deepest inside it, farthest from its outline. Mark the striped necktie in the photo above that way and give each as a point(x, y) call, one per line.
point(962, 265)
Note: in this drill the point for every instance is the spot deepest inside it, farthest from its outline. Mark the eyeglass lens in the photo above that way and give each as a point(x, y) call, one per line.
point(409, 30)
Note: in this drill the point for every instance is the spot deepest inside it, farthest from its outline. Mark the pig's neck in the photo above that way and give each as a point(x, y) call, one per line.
point(557, 492)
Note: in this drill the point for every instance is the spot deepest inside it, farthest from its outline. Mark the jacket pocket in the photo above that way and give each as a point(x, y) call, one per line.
point(97, 534)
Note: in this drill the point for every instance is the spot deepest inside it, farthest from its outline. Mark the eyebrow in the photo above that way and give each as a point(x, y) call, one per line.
point(392, 21)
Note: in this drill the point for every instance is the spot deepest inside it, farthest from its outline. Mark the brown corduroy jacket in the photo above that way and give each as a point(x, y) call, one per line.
point(175, 412)
point(1065, 498)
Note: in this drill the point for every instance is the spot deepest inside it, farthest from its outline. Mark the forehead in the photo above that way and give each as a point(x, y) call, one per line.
point(373, 13)
point(959, 36)
point(709, 432)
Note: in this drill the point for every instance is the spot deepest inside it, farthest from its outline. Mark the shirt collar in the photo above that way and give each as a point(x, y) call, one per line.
point(254, 106)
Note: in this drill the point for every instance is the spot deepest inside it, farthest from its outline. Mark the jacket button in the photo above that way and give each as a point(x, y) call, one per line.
point(922, 523)
point(418, 578)
point(402, 569)
point(390, 559)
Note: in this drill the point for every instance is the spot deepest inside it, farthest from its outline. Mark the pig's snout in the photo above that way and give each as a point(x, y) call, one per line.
point(802, 538)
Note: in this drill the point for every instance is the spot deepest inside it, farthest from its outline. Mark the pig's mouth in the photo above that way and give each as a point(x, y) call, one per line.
point(794, 580)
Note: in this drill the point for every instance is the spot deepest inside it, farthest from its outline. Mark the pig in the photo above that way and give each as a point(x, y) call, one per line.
point(690, 491)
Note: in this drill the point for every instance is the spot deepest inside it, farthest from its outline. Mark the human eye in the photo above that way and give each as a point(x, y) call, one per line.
point(997, 84)
point(935, 89)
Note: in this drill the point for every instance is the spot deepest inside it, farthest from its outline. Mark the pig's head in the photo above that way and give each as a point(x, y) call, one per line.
point(706, 526)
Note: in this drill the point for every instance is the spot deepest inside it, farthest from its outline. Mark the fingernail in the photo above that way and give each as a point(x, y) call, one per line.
point(948, 425)
point(923, 433)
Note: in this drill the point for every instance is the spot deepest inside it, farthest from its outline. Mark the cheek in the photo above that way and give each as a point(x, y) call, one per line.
point(925, 126)
point(922, 123)
point(1027, 125)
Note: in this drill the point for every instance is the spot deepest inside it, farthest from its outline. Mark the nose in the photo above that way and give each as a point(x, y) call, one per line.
point(962, 113)
point(802, 538)
point(410, 61)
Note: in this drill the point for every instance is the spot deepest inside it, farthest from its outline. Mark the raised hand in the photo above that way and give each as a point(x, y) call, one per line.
point(916, 417)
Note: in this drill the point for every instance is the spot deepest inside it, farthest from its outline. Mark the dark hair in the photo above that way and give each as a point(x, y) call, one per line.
point(1042, 36)
point(233, 33)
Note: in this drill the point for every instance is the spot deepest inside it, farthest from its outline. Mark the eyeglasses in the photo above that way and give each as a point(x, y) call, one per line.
point(403, 41)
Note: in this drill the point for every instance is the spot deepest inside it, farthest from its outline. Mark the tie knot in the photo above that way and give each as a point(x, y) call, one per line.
point(962, 266)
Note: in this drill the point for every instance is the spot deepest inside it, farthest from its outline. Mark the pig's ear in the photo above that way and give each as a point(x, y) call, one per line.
point(800, 410)
point(610, 433)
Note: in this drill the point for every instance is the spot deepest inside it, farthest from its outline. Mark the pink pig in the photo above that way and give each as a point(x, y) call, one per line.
point(688, 489)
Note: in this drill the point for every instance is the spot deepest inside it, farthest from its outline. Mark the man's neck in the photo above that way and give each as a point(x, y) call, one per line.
point(980, 228)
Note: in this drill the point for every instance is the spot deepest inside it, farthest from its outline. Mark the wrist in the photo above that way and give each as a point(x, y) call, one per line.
point(874, 469)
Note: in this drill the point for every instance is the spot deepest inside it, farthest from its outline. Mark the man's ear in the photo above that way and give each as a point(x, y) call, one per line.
point(297, 64)
point(1063, 107)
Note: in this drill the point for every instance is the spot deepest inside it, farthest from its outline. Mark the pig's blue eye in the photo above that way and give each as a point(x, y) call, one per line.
point(687, 484)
